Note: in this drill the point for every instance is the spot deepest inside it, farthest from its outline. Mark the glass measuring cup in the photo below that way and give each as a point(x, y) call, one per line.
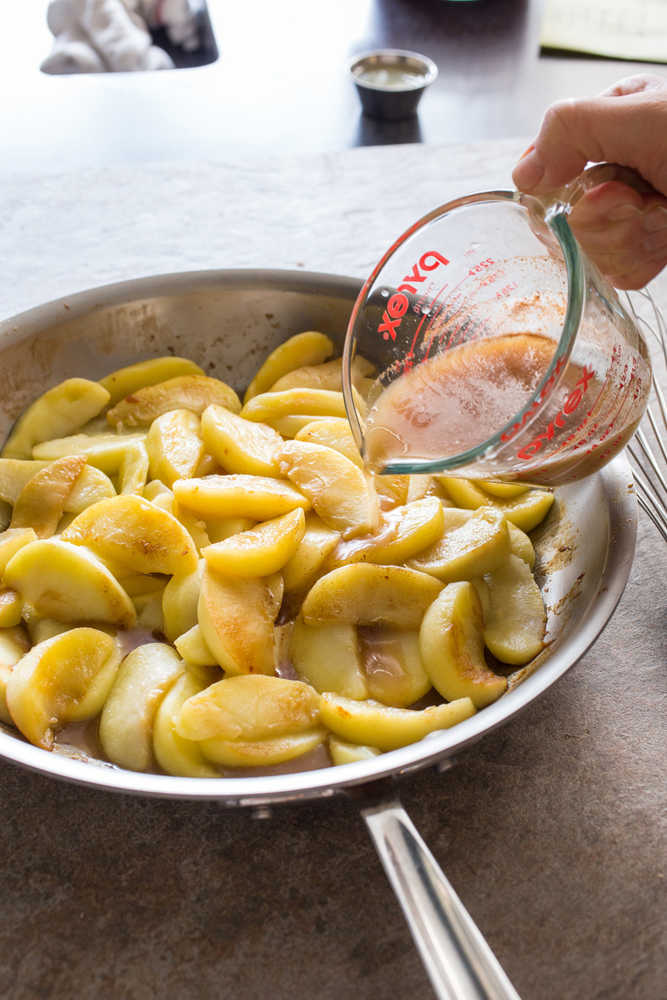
point(501, 352)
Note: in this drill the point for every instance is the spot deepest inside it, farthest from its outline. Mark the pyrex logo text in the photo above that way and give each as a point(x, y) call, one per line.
point(398, 304)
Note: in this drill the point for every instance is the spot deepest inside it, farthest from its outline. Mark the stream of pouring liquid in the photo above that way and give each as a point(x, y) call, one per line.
point(457, 399)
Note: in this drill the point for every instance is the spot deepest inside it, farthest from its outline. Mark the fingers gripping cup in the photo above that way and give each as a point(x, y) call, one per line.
point(500, 350)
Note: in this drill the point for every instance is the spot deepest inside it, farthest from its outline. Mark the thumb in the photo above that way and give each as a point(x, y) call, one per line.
point(625, 128)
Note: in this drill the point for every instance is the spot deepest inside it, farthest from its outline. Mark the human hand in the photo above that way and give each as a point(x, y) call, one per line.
point(622, 231)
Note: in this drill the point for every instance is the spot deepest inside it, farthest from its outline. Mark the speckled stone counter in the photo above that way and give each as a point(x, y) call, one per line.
point(551, 829)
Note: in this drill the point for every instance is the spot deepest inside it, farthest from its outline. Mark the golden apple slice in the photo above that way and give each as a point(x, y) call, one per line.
point(308, 348)
point(126, 381)
point(192, 648)
point(91, 486)
point(256, 497)
point(272, 407)
point(179, 602)
point(105, 451)
point(240, 445)
point(11, 608)
point(504, 491)
point(515, 625)
point(392, 666)
point(42, 500)
point(249, 708)
point(328, 375)
point(133, 471)
point(174, 754)
point(149, 612)
point(64, 679)
point(420, 486)
point(403, 532)
point(392, 491)
point(452, 647)
point(174, 445)
point(220, 528)
point(333, 432)
point(262, 753)
point(237, 618)
point(135, 533)
point(387, 728)
point(367, 594)
point(525, 510)
point(478, 546)
point(339, 491)
point(185, 392)
point(349, 753)
point(14, 644)
point(521, 545)
point(126, 723)
point(261, 550)
point(40, 629)
point(11, 541)
point(69, 583)
point(464, 492)
point(328, 657)
point(59, 411)
point(314, 548)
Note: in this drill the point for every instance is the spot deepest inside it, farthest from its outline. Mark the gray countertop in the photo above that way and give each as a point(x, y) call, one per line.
point(551, 829)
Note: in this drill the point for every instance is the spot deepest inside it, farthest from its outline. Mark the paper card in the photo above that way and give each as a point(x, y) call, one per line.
point(623, 29)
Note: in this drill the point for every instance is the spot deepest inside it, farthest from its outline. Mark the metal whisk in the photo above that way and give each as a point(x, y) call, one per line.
point(647, 448)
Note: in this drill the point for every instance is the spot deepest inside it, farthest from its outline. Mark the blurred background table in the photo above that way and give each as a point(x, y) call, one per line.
point(551, 828)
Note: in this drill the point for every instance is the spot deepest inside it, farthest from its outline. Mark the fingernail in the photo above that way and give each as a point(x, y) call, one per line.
point(527, 152)
point(529, 171)
point(655, 219)
point(623, 212)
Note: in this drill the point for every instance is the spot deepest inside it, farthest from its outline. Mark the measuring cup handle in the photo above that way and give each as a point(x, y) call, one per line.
point(458, 960)
point(601, 173)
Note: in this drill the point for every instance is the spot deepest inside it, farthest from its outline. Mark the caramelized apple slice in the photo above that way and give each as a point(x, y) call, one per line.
point(328, 657)
point(174, 754)
point(185, 392)
point(174, 446)
point(269, 407)
point(317, 543)
point(452, 647)
point(262, 753)
point(135, 533)
point(325, 376)
point(526, 510)
point(179, 602)
point(105, 451)
point(333, 432)
point(13, 645)
point(367, 594)
point(192, 647)
point(126, 381)
point(240, 445)
point(67, 582)
point(514, 627)
point(256, 497)
point(11, 607)
point(308, 348)
point(392, 666)
point(259, 551)
point(349, 753)
point(126, 723)
point(59, 411)
point(64, 679)
point(237, 618)
point(42, 500)
point(133, 471)
point(403, 532)
point(11, 541)
point(369, 722)
point(478, 546)
point(339, 491)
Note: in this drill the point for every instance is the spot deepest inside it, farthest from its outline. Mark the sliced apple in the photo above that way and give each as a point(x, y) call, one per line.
point(314, 548)
point(105, 451)
point(384, 727)
point(240, 445)
point(521, 545)
point(174, 445)
point(339, 491)
point(392, 666)
point(64, 679)
point(69, 583)
point(237, 618)
point(349, 753)
point(11, 541)
point(134, 468)
point(333, 432)
point(367, 594)
point(515, 625)
point(328, 375)
point(14, 644)
point(219, 528)
point(478, 546)
point(504, 491)
point(126, 722)
point(126, 381)
point(269, 407)
point(192, 646)
point(259, 551)
point(452, 647)
point(392, 491)
point(185, 392)
point(328, 657)
point(174, 754)
point(11, 608)
point(307, 348)
point(256, 497)
point(59, 411)
point(262, 753)
point(42, 500)
point(179, 602)
point(135, 533)
point(403, 532)
point(526, 510)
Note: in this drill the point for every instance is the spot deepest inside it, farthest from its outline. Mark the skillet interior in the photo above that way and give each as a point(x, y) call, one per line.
point(228, 321)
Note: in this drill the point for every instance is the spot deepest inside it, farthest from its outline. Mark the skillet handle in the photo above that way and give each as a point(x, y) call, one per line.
point(458, 960)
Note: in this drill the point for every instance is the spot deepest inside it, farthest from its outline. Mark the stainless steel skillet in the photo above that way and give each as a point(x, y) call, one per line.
point(228, 321)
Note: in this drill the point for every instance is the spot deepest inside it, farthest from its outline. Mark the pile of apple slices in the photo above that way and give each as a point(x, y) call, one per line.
point(222, 584)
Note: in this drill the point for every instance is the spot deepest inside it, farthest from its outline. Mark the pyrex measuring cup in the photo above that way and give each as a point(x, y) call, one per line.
point(500, 350)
